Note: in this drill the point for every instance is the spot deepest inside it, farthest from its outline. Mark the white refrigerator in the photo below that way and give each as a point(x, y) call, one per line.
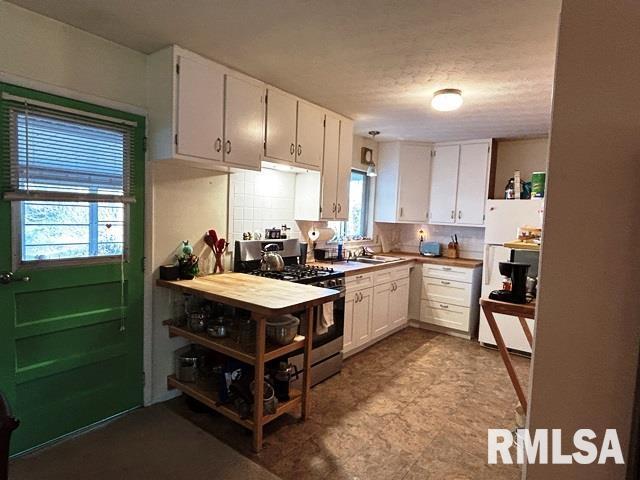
point(502, 219)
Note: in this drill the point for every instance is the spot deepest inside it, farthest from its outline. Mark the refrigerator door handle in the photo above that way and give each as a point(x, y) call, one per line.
point(488, 264)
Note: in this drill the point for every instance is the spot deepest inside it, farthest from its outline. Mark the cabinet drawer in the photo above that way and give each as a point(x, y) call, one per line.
point(446, 291)
point(389, 275)
point(445, 315)
point(355, 282)
point(448, 273)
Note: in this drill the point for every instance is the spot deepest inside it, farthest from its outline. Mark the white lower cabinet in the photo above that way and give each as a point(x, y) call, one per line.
point(449, 298)
point(357, 318)
point(375, 304)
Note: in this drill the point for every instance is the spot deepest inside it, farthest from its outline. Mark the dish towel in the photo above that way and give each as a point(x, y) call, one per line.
point(326, 319)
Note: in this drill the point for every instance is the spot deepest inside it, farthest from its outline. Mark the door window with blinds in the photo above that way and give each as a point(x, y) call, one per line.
point(69, 179)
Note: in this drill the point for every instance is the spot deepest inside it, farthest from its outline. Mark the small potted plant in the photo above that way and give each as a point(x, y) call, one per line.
point(187, 261)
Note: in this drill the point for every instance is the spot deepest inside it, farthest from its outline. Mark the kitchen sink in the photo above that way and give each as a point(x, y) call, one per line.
point(378, 259)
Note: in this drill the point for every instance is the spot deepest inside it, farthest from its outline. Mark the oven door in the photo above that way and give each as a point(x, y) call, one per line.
point(329, 343)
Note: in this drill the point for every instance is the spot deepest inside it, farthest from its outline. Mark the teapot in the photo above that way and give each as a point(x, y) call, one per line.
point(271, 260)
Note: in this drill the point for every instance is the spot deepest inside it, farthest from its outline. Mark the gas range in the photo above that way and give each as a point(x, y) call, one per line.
point(308, 274)
point(246, 260)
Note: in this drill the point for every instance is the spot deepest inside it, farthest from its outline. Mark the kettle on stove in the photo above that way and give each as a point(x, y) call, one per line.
point(271, 260)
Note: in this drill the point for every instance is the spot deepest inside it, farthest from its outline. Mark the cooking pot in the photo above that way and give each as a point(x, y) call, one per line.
point(271, 260)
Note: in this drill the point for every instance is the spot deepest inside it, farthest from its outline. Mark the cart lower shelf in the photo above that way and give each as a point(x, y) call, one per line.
point(209, 396)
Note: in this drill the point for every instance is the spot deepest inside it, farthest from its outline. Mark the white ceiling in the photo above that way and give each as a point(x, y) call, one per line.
point(377, 61)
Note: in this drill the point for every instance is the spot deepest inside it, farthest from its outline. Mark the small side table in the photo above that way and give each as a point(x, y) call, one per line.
point(522, 312)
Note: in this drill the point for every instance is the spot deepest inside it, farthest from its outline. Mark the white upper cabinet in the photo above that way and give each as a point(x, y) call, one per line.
point(310, 137)
point(328, 202)
point(202, 112)
point(444, 184)
point(460, 182)
point(244, 123)
point(294, 131)
point(325, 195)
point(200, 100)
point(282, 111)
point(402, 184)
point(473, 174)
point(345, 161)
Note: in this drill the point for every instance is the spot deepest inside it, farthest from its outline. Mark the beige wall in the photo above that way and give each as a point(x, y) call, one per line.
point(527, 155)
point(358, 143)
point(39, 48)
point(588, 328)
point(185, 202)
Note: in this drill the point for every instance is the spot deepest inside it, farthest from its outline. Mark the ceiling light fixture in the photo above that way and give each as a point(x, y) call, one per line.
point(371, 169)
point(447, 99)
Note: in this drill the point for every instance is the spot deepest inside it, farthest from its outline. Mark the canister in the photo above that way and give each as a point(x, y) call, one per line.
point(537, 184)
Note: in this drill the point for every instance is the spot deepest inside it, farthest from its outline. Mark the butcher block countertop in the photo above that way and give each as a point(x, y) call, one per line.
point(264, 296)
point(451, 262)
point(356, 268)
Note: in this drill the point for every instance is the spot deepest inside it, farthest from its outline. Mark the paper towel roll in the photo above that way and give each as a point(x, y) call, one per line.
point(321, 234)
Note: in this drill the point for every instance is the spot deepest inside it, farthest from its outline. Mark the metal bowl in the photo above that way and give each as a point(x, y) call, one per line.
point(282, 330)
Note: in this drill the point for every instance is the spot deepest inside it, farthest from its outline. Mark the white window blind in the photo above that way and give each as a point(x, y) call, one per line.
point(60, 154)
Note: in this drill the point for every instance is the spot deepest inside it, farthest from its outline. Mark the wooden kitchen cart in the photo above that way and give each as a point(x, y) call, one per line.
point(264, 298)
point(522, 312)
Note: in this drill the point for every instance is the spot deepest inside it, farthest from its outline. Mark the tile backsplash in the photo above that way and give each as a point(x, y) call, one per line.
point(260, 200)
point(405, 237)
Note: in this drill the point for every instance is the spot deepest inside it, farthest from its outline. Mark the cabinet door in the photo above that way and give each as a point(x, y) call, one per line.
point(328, 205)
point(444, 180)
point(244, 123)
point(413, 191)
point(380, 321)
point(200, 109)
point(362, 316)
point(347, 337)
point(310, 135)
point(344, 169)
point(280, 141)
point(472, 183)
point(399, 304)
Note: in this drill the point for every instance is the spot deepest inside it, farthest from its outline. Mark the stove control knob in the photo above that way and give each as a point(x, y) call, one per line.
point(332, 283)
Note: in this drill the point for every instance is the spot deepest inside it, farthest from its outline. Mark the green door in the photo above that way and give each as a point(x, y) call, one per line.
point(70, 328)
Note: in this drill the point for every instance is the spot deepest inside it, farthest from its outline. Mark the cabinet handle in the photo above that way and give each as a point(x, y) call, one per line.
point(459, 214)
point(359, 277)
point(292, 149)
point(333, 210)
point(299, 149)
point(445, 282)
point(401, 212)
point(444, 306)
point(453, 214)
point(228, 146)
point(218, 144)
point(446, 269)
point(339, 208)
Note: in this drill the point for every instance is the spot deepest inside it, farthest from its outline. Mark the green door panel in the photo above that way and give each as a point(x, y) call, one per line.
point(71, 338)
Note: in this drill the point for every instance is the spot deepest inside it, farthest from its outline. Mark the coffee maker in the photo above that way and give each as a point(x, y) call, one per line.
point(514, 291)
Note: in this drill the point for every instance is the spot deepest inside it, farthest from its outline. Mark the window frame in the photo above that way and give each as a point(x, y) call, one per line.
point(17, 244)
point(364, 219)
point(137, 189)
